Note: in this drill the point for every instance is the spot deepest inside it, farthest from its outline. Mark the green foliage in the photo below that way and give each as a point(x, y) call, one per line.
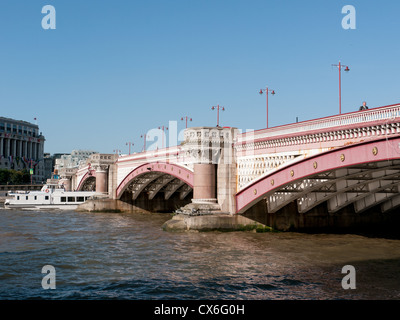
point(4, 176)
point(259, 228)
point(14, 176)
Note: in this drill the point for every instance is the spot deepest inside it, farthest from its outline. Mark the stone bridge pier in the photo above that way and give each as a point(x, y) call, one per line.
point(210, 151)
point(68, 178)
point(98, 174)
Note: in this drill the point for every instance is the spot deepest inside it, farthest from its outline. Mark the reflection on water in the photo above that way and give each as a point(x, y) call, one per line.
point(128, 256)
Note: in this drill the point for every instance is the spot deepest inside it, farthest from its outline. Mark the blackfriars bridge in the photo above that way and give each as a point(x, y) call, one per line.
point(336, 171)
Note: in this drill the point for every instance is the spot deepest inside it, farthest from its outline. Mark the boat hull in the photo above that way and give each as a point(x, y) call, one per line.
point(42, 207)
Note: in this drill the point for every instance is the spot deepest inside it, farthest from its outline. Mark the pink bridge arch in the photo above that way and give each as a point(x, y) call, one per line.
point(174, 170)
point(363, 153)
point(91, 173)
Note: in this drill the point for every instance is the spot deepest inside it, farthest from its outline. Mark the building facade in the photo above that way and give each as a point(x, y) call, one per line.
point(72, 160)
point(22, 147)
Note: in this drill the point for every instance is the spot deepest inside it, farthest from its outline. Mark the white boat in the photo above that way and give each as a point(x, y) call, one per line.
point(51, 196)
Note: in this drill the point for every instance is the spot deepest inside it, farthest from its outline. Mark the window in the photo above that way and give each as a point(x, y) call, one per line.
point(80, 199)
point(63, 199)
point(46, 197)
point(71, 199)
point(35, 197)
point(26, 198)
point(17, 197)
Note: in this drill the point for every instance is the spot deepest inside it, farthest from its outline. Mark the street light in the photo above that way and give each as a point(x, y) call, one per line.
point(266, 92)
point(130, 144)
point(163, 129)
point(218, 107)
point(187, 118)
point(346, 68)
point(144, 136)
point(117, 151)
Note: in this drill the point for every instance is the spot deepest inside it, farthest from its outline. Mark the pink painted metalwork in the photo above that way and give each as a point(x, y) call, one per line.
point(361, 153)
point(179, 172)
point(89, 174)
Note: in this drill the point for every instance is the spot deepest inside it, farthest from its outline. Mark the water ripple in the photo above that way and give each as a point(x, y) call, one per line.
point(128, 256)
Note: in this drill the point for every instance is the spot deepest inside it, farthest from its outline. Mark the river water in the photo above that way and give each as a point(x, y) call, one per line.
point(129, 256)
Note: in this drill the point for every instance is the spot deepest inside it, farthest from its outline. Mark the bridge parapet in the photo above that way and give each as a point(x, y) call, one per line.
point(262, 151)
point(378, 119)
point(130, 162)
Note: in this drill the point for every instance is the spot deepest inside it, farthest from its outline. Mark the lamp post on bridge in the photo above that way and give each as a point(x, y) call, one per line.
point(130, 144)
point(187, 118)
point(218, 107)
point(163, 128)
point(144, 136)
point(117, 151)
point(346, 68)
point(266, 92)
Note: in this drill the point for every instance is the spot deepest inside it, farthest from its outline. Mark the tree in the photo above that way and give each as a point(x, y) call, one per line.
point(14, 177)
point(4, 176)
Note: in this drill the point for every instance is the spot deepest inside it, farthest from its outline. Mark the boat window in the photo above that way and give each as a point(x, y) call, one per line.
point(35, 197)
point(71, 199)
point(63, 199)
point(17, 197)
point(46, 197)
point(80, 199)
point(26, 198)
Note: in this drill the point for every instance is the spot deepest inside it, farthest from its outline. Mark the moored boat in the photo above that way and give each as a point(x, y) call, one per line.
point(51, 196)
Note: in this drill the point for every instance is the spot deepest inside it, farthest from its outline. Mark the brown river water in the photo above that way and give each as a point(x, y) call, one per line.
point(129, 256)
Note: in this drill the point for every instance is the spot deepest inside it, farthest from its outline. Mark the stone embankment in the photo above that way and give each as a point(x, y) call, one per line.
point(192, 217)
point(105, 205)
point(213, 222)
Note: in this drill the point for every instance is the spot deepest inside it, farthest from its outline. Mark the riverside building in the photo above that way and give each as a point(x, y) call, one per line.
point(22, 147)
point(73, 159)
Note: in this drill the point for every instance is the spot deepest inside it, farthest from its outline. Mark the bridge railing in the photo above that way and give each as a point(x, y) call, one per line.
point(170, 154)
point(354, 118)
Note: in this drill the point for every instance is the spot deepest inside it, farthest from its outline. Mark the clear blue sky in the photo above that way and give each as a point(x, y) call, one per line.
point(113, 70)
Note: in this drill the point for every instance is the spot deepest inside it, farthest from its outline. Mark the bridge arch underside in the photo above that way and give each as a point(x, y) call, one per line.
point(155, 191)
point(88, 184)
point(362, 195)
